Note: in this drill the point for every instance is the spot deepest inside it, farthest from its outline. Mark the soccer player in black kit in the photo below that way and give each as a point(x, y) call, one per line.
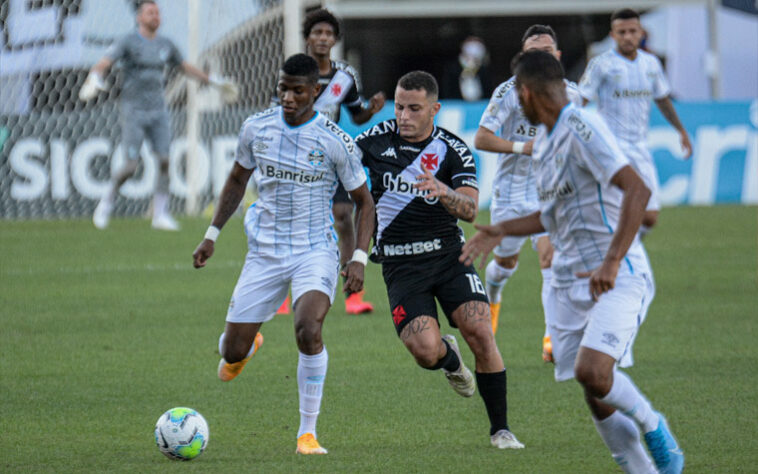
point(423, 179)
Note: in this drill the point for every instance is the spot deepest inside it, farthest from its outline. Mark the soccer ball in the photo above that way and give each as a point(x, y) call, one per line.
point(181, 434)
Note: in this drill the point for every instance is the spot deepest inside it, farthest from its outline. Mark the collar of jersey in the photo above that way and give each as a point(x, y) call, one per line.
point(293, 127)
point(616, 51)
point(560, 115)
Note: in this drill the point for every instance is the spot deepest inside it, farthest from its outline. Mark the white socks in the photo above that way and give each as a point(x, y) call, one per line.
point(497, 277)
point(160, 204)
point(547, 277)
point(311, 372)
point(627, 398)
point(622, 437)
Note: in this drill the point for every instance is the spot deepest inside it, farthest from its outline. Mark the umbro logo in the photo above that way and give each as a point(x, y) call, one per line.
point(610, 339)
point(390, 152)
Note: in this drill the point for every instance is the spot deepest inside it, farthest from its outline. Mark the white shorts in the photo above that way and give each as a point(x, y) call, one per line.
point(607, 326)
point(511, 246)
point(642, 162)
point(264, 281)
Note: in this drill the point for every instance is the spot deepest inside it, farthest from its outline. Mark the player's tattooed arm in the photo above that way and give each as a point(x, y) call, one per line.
point(462, 202)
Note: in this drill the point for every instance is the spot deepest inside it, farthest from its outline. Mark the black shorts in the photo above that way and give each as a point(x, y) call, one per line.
point(341, 195)
point(413, 286)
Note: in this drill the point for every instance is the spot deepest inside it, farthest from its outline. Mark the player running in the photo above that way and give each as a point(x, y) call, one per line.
point(339, 85)
point(423, 179)
point(295, 155)
point(145, 55)
point(624, 80)
point(504, 129)
point(591, 204)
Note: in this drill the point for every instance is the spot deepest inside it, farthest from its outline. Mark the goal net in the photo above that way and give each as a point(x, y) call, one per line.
point(58, 153)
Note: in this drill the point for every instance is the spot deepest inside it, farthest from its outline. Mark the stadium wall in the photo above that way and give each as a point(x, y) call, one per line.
point(53, 170)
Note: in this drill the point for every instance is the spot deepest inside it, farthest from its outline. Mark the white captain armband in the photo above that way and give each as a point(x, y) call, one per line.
point(360, 256)
point(212, 233)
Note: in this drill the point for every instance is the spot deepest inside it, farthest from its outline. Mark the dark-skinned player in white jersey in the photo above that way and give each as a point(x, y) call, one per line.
point(423, 179)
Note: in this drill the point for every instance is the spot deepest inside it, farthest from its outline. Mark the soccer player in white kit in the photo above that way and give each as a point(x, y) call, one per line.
point(624, 80)
point(504, 129)
point(296, 156)
point(591, 204)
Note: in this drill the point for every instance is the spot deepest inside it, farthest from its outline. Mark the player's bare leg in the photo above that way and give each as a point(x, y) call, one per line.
point(310, 311)
point(473, 320)
point(607, 390)
point(497, 274)
point(237, 345)
point(343, 224)
point(545, 254)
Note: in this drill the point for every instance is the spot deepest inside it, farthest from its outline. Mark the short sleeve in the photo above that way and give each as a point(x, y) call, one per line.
point(117, 50)
point(354, 98)
point(176, 57)
point(598, 151)
point(347, 158)
point(661, 87)
point(244, 155)
point(462, 169)
point(497, 111)
point(591, 79)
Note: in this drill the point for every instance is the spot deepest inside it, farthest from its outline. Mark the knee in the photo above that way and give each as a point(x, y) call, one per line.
point(480, 339)
point(595, 382)
point(426, 355)
point(308, 336)
point(507, 262)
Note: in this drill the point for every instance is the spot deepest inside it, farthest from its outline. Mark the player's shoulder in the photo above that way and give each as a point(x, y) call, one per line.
point(504, 89)
point(259, 118)
point(453, 142)
point(333, 132)
point(343, 66)
point(648, 58)
point(585, 124)
point(378, 131)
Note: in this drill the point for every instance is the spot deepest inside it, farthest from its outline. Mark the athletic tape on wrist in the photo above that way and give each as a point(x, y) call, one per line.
point(360, 256)
point(518, 147)
point(212, 233)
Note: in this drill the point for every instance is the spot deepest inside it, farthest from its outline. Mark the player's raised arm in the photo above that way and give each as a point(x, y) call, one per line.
point(231, 195)
point(365, 221)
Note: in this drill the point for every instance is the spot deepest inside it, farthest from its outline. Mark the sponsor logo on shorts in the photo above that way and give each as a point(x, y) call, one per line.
point(610, 339)
point(413, 248)
point(398, 315)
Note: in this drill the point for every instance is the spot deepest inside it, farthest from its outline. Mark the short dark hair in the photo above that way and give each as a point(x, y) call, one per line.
point(301, 65)
point(321, 15)
point(624, 14)
point(141, 3)
point(536, 30)
point(420, 80)
point(537, 69)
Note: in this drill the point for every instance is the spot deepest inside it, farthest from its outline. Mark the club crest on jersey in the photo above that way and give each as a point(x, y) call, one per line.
point(430, 161)
point(336, 90)
point(316, 157)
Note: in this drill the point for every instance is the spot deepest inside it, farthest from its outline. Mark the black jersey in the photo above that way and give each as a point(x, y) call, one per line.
point(409, 224)
point(339, 86)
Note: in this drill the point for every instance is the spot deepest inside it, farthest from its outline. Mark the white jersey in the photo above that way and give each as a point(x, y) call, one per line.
point(580, 208)
point(624, 90)
point(514, 185)
point(296, 171)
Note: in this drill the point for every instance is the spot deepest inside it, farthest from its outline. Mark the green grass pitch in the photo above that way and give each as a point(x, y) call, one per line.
point(102, 331)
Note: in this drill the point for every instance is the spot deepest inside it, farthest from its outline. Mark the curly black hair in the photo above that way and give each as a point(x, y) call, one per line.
point(322, 15)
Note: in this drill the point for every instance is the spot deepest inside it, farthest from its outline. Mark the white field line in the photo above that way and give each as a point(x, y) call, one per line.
point(118, 268)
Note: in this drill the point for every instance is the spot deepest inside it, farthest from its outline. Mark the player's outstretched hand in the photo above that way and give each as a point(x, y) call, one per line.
point(481, 244)
point(427, 182)
point(354, 272)
point(202, 253)
point(602, 279)
point(376, 102)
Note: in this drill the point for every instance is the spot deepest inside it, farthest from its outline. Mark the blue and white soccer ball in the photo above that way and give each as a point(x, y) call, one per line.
point(181, 434)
